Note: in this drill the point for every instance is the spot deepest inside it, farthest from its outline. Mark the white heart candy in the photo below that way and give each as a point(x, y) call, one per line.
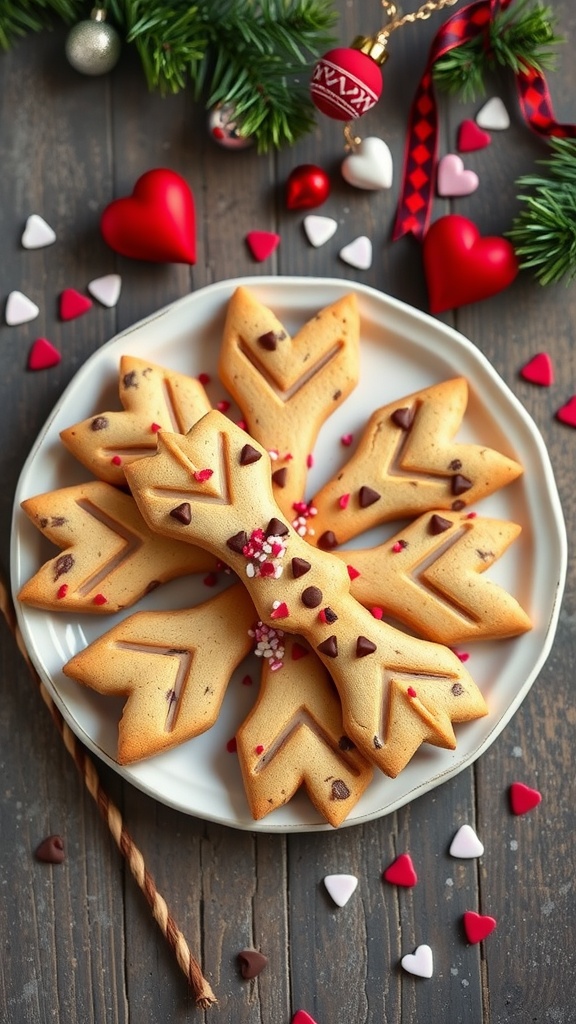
point(358, 253)
point(453, 179)
point(341, 887)
point(493, 116)
point(419, 962)
point(466, 843)
point(37, 233)
point(369, 166)
point(106, 289)
point(20, 309)
point(319, 229)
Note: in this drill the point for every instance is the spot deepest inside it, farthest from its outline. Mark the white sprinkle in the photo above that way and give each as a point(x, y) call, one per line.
point(449, 881)
point(513, 844)
point(516, 751)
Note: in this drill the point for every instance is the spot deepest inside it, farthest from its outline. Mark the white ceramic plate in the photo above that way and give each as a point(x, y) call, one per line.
point(402, 350)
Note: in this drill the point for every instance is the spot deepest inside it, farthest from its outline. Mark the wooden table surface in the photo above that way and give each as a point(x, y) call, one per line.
point(79, 941)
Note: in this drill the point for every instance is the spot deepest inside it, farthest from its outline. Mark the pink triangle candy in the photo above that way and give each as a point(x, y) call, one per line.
point(523, 798)
point(43, 355)
point(73, 304)
point(262, 244)
point(539, 370)
point(567, 413)
point(471, 137)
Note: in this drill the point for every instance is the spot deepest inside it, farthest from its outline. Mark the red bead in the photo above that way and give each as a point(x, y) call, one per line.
point(346, 83)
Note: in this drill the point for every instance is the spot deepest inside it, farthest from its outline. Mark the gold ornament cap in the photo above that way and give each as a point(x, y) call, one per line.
point(373, 47)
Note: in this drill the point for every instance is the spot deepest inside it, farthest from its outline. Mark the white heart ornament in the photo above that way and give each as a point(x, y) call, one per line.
point(37, 233)
point(341, 887)
point(466, 844)
point(358, 253)
point(453, 179)
point(20, 309)
point(319, 230)
point(106, 289)
point(493, 116)
point(369, 166)
point(420, 962)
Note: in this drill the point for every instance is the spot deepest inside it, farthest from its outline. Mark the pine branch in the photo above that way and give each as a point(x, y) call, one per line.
point(520, 38)
point(17, 18)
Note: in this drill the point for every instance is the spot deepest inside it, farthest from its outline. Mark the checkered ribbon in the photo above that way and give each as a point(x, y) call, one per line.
point(415, 203)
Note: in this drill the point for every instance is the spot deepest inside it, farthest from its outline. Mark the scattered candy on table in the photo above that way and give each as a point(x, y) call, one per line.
point(341, 887)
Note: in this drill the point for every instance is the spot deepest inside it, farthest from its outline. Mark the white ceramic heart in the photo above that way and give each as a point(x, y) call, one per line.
point(369, 166)
point(453, 179)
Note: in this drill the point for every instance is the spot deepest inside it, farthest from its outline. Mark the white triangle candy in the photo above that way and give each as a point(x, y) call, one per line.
point(466, 844)
point(319, 230)
point(493, 116)
point(369, 166)
point(106, 289)
point(341, 887)
point(20, 309)
point(37, 233)
point(420, 962)
point(358, 253)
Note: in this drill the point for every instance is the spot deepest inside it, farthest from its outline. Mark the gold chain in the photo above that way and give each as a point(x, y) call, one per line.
point(422, 14)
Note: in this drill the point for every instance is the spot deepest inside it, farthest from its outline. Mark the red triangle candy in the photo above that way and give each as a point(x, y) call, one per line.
point(262, 244)
point(478, 926)
point(523, 798)
point(539, 370)
point(301, 1017)
point(472, 137)
point(43, 355)
point(73, 304)
point(567, 413)
point(401, 871)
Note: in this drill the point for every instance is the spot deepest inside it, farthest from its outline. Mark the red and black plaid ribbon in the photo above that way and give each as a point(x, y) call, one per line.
point(414, 205)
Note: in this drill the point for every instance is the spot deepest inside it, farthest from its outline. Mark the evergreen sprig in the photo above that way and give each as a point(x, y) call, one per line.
point(253, 54)
point(544, 232)
point(520, 38)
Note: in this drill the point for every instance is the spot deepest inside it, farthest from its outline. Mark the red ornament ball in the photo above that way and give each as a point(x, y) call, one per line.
point(157, 222)
point(462, 266)
point(346, 83)
point(307, 186)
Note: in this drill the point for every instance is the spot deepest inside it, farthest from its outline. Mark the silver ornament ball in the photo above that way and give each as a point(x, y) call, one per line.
point(93, 47)
point(225, 129)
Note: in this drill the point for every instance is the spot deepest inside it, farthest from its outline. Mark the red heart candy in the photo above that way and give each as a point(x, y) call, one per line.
point(73, 304)
point(539, 370)
point(523, 798)
point(567, 413)
point(43, 355)
point(463, 267)
point(478, 926)
point(301, 1017)
point(157, 222)
point(262, 244)
point(401, 871)
point(472, 137)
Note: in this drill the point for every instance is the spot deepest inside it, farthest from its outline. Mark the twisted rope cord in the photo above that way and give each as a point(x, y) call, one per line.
point(203, 993)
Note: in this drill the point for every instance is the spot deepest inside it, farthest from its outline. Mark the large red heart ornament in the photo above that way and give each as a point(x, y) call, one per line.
point(461, 266)
point(157, 222)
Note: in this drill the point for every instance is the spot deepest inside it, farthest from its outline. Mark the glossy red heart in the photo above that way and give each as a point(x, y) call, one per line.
point(478, 926)
point(156, 223)
point(461, 266)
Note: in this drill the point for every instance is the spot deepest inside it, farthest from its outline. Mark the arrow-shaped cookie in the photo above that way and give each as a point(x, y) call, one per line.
point(153, 399)
point(294, 737)
point(109, 559)
point(173, 667)
point(213, 487)
point(407, 462)
point(287, 387)
point(428, 576)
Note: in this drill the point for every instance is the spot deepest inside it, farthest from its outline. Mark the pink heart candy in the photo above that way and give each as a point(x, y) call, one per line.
point(478, 926)
point(43, 355)
point(539, 370)
point(471, 137)
point(567, 413)
point(262, 244)
point(73, 304)
point(523, 798)
point(453, 179)
point(401, 871)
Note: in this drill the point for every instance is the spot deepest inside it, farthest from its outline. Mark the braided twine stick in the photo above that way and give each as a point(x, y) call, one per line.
point(203, 993)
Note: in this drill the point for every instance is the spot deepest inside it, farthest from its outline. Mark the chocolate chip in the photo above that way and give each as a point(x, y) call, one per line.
point(345, 743)
point(377, 743)
point(457, 689)
point(43, 523)
point(404, 418)
point(438, 524)
point(300, 567)
point(251, 963)
point(270, 340)
point(249, 455)
point(129, 380)
point(276, 529)
point(311, 597)
point(364, 646)
point(367, 496)
point(99, 423)
point(329, 616)
point(238, 542)
point(460, 484)
point(457, 506)
point(51, 850)
point(327, 540)
point(455, 464)
point(329, 647)
point(58, 520)
point(484, 556)
point(336, 395)
point(279, 477)
point(182, 513)
point(340, 790)
point(62, 565)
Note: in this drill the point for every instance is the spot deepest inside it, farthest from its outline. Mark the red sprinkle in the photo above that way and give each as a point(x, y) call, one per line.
point(280, 612)
point(116, 460)
point(100, 599)
point(223, 405)
point(411, 691)
point(471, 515)
point(231, 746)
point(399, 546)
point(352, 572)
point(204, 378)
point(203, 474)
point(210, 580)
point(155, 428)
point(241, 424)
point(247, 681)
point(259, 749)
point(462, 655)
point(377, 613)
point(309, 461)
point(347, 439)
point(343, 500)
point(62, 591)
